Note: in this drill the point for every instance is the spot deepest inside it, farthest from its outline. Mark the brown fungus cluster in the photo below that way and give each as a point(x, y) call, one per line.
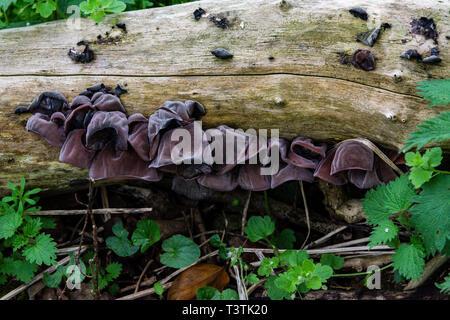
point(94, 132)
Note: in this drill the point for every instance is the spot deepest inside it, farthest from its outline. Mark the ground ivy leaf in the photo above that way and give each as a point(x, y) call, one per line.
point(383, 233)
point(43, 250)
point(273, 291)
point(120, 244)
point(293, 258)
point(315, 283)
point(259, 228)
point(285, 239)
point(179, 251)
point(227, 294)
point(147, 233)
point(324, 272)
point(207, 293)
point(431, 213)
point(387, 199)
point(332, 260)
point(46, 8)
point(409, 261)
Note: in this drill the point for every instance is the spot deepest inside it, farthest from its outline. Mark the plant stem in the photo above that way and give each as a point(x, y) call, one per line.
point(360, 273)
point(441, 171)
point(94, 236)
point(266, 200)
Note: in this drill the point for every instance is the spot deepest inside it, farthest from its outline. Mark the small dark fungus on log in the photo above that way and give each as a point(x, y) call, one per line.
point(386, 25)
point(359, 13)
point(363, 59)
point(411, 54)
point(431, 60)
point(86, 56)
point(425, 27)
point(198, 13)
point(220, 21)
point(222, 53)
point(271, 57)
point(369, 37)
point(118, 90)
point(21, 110)
point(122, 25)
point(47, 103)
point(434, 51)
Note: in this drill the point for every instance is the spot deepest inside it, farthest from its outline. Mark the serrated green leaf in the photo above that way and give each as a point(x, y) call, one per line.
point(227, 294)
point(146, 233)
point(444, 286)
point(45, 8)
point(324, 272)
point(116, 7)
point(19, 241)
point(383, 233)
point(43, 250)
point(20, 269)
point(380, 203)
point(9, 223)
point(293, 258)
point(314, 283)
point(285, 239)
point(409, 261)
point(113, 270)
point(32, 227)
point(431, 130)
point(259, 228)
point(431, 213)
point(53, 280)
point(267, 266)
point(435, 91)
point(207, 293)
point(179, 251)
point(419, 176)
point(48, 223)
point(334, 261)
point(252, 278)
point(273, 291)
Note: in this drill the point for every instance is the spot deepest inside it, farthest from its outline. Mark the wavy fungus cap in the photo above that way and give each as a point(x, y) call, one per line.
point(50, 129)
point(107, 127)
point(48, 102)
point(74, 151)
point(107, 102)
point(137, 135)
point(79, 118)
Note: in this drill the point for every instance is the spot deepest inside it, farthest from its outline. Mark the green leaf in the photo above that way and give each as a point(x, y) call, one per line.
point(114, 289)
point(431, 213)
point(48, 223)
point(116, 7)
point(288, 280)
point(113, 270)
point(332, 260)
point(215, 241)
point(409, 261)
point(444, 286)
point(43, 250)
point(97, 16)
point(32, 227)
point(45, 9)
point(422, 166)
point(4, 4)
point(314, 283)
point(383, 233)
point(293, 258)
point(227, 294)
point(285, 239)
point(419, 176)
point(252, 278)
point(20, 269)
point(179, 251)
point(146, 234)
point(19, 241)
point(385, 200)
point(159, 289)
point(53, 280)
point(431, 130)
point(435, 91)
point(120, 244)
point(324, 272)
point(206, 293)
point(9, 223)
point(273, 291)
point(267, 266)
point(259, 228)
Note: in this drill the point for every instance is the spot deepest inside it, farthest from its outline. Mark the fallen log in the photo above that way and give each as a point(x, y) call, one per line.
point(286, 72)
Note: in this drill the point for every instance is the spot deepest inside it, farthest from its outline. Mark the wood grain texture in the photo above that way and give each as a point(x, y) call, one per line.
point(304, 90)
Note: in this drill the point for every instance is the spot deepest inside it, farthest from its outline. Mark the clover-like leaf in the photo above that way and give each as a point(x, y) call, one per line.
point(179, 251)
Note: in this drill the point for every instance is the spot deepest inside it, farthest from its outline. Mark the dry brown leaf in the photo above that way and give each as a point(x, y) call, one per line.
point(185, 286)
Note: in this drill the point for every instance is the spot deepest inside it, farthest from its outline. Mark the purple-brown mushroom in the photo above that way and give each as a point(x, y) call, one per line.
point(107, 127)
point(74, 150)
point(49, 128)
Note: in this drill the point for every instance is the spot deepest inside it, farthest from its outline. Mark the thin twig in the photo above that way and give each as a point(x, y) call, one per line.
point(105, 202)
point(306, 212)
point(348, 243)
point(244, 212)
point(142, 275)
point(94, 235)
point(240, 285)
point(94, 211)
point(324, 238)
point(428, 270)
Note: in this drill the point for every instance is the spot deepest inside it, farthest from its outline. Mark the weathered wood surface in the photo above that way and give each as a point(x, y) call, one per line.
point(165, 55)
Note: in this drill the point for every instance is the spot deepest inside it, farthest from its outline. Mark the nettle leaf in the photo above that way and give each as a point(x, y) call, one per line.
point(431, 213)
point(387, 199)
point(431, 130)
point(19, 241)
point(46, 8)
point(9, 223)
point(20, 269)
point(43, 250)
point(332, 260)
point(120, 244)
point(273, 291)
point(259, 228)
point(444, 286)
point(435, 91)
point(285, 239)
point(47, 223)
point(409, 261)
point(146, 234)
point(113, 270)
point(179, 251)
point(383, 233)
point(293, 258)
point(32, 227)
point(53, 280)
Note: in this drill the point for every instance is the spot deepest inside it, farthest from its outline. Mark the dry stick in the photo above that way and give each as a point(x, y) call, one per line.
point(144, 293)
point(94, 235)
point(306, 212)
point(142, 275)
point(201, 228)
point(105, 202)
point(322, 251)
point(324, 238)
point(94, 211)
point(348, 243)
point(255, 286)
point(244, 213)
point(23, 287)
point(240, 285)
point(144, 283)
point(429, 269)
